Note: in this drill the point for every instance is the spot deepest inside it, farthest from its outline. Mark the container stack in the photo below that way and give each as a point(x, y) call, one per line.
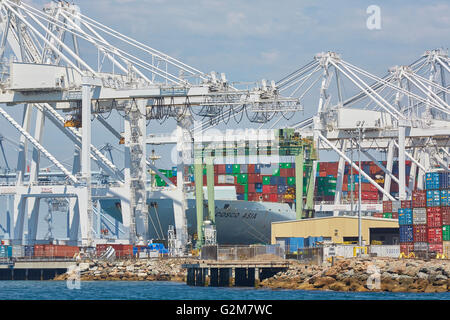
point(250, 179)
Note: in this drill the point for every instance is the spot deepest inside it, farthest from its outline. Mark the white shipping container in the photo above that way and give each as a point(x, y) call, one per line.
point(18, 251)
point(419, 216)
point(446, 249)
point(420, 246)
point(391, 251)
point(225, 179)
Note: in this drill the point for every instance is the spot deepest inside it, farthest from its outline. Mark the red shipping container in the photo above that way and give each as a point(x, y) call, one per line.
point(251, 168)
point(258, 178)
point(435, 235)
point(367, 187)
point(240, 188)
point(419, 199)
point(387, 206)
point(377, 215)
point(251, 178)
point(435, 247)
point(284, 172)
point(221, 169)
point(394, 215)
point(269, 189)
point(266, 197)
point(420, 233)
point(445, 212)
point(252, 196)
point(434, 217)
point(405, 204)
point(406, 247)
point(273, 197)
point(251, 188)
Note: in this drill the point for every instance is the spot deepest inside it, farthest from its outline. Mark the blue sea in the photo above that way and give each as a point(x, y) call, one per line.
point(142, 290)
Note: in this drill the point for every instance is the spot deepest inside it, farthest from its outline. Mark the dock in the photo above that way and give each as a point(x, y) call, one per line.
point(231, 273)
point(33, 269)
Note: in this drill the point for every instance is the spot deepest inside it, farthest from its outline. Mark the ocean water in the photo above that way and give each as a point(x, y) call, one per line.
point(141, 290)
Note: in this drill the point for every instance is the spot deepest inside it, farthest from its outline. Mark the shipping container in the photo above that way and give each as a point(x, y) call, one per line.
point(221, 169)
point(445, 211)
point(228, 168)
point(405, 204)
point(406, 248)
point(387, 215)
point(420, 246)
point(420, 233)
point(435, 235)
point(266, 180)
point(446, 249)
point(419, 199)
point(387, 206)
point(406, 233)
point(434, 217)
point(240, 188)
point(435, 248)
point(419, 216)
point(5, 251)
point(444, 180)
point(432, 180)
point(446, 233)
point(445, 200)
point(433, 198)
point(405, 217)
point(273, 197)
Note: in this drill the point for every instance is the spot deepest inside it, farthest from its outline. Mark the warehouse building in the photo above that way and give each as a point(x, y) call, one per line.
point(339, 229)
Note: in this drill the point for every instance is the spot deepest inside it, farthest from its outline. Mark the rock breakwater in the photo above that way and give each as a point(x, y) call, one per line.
point(129, 270)
point(366, 274)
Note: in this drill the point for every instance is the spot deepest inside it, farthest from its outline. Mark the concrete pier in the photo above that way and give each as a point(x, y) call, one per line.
point(231, 273)
point(33, 270)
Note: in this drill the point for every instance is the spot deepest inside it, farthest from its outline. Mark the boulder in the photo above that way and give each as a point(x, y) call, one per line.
point(323, 281)
point(338, 286)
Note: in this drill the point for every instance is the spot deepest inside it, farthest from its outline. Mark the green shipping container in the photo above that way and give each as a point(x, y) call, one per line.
point(387, 215)
point(286, 165)
point(160, 182)
point(242, 178)
point(236, 168)
point(446, 233)
point(291, 181)
point(266, 180)
point(276, 172)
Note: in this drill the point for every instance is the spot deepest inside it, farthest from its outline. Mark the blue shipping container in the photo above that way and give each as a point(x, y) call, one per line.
point(296, 243)
point(445, 198)
point(240, 196)
point(229, 168)
point(5, 251)
point(444, 180)
point(405, 216)
point(406, 234)
point(258, 168)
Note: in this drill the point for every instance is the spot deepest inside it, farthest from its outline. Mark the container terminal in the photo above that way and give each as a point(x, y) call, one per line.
point(388, 135)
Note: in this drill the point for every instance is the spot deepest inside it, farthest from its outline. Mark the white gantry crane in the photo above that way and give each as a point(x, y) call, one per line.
point(44, 69)
point(405, 114)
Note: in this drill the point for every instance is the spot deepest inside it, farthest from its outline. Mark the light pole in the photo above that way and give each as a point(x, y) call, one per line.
point(359, 124)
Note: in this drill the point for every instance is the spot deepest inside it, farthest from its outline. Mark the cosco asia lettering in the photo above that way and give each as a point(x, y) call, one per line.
point(246, 309)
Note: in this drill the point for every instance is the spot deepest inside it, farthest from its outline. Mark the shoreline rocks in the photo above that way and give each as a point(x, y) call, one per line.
point(128, 270)
point(364, 275)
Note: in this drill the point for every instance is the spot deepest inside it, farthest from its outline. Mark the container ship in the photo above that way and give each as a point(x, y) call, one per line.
point(249, 197)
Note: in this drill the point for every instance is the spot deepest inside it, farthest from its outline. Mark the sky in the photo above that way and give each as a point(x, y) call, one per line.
point(253, 40)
